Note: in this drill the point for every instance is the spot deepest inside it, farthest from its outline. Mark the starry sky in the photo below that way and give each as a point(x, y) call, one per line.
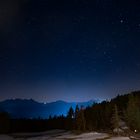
point(72, 50)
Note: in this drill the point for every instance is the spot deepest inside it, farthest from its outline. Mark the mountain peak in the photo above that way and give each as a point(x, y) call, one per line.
point(28, 108)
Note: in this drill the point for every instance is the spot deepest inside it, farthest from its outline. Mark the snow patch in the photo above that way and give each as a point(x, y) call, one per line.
point(60, 135)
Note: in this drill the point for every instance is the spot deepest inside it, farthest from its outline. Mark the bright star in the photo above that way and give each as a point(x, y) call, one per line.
point(121, 21)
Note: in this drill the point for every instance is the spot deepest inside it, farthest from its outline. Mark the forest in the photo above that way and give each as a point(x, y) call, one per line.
point(103, 117)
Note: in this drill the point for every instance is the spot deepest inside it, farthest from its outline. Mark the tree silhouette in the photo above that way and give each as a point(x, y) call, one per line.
point(133, 112)
point(70, 113)
point(116, 119)
point(70, 119)
point(4, 122)
point(80, 121)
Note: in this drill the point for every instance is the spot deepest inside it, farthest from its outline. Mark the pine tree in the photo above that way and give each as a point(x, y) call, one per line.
point(116, 119)
point(69, 119)
point(133, 112)
point(70, 113)
point(80, 121)
point(4, 122)
point(76, 111)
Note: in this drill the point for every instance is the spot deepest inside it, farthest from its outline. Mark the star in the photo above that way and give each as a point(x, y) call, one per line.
point(110, 60)
point(121, 21)
point(105, 52)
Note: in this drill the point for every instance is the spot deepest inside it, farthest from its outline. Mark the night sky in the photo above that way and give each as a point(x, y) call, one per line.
point(72, 50)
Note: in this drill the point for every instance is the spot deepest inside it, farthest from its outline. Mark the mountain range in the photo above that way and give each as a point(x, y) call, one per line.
point(28, 108)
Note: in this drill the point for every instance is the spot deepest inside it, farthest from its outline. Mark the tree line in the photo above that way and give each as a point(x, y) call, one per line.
point(104, 116)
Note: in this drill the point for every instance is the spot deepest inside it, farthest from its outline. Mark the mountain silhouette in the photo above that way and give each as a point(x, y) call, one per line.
point(24, 108)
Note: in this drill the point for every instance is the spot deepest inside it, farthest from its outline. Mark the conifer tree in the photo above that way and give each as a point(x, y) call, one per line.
point(76, 111)
point(133, 113)
point(70, 113)
point(116, 119)
point(80, 121)
point(69, 120)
